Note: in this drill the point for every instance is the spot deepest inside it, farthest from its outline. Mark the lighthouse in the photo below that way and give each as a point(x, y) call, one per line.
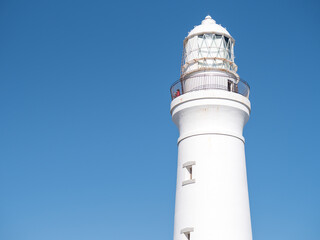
point(210, 106)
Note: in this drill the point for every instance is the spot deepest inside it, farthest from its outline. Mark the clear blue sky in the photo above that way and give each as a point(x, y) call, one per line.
point(88, 148)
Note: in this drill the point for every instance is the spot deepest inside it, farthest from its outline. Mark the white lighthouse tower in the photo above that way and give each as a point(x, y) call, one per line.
point(210, 107)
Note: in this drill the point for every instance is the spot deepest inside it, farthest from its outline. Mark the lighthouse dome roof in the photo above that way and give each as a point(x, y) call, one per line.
point(208, 25)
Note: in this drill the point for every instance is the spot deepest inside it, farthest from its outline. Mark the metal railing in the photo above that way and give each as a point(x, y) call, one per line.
point(206, 82)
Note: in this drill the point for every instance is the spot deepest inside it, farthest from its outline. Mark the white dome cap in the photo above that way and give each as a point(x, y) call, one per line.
point(208, 25)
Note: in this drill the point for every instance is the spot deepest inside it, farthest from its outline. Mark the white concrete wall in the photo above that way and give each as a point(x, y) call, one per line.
point(207, 80)
point(216, 205)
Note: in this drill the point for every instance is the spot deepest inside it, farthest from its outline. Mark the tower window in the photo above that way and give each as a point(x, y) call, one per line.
point(188, 173)
point(187, 232)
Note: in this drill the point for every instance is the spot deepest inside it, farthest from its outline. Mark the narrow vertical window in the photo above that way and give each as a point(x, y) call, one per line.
point(187, 232)
point(188, 173)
